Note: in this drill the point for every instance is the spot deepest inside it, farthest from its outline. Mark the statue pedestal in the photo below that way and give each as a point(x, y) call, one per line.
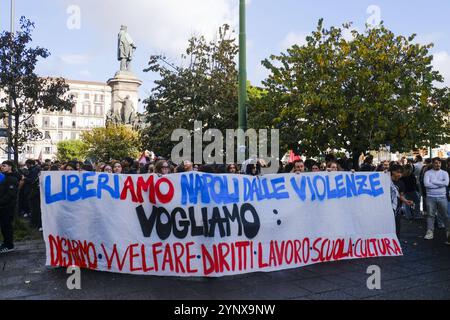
point(124, 84)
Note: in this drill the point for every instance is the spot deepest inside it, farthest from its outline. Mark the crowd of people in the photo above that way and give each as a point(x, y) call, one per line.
point(419, 189)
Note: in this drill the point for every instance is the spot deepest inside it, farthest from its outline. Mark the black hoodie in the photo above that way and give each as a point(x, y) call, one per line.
point(9, 190)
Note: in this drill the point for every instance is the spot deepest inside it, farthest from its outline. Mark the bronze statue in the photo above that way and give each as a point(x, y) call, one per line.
point(125, 49)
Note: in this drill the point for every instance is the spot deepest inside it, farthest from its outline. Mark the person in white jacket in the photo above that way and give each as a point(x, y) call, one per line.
point(436, 181)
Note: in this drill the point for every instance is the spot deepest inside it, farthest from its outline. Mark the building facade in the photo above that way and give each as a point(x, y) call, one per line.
point(93, 101)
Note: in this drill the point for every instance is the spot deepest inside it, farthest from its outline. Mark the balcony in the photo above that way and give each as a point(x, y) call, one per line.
point(49, 126)
point(82, 127)
point(74, 114)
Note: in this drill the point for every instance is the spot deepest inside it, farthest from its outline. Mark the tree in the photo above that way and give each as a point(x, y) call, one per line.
point(355, 95)
point(114, 142)
point(27, 91)
point(70, 150)
point(206, 90)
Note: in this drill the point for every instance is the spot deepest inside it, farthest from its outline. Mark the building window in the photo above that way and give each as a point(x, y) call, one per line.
point(30, 150)
point(87, 108)
point(48, 150)
point(99, 98)
point(73, 135)
point(60, 135)
point(74, 124)
point(61, 122)
point(86, 96)
point(47, 135)
point(45, 122)
point(98, 109)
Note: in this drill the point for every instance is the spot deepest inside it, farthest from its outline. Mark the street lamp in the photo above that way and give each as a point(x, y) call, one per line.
point(11, 102)
point(242, 67)
point(12, 15)
point(242, 100)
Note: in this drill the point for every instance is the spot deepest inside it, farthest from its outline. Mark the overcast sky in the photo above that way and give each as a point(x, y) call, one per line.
point(163, 26)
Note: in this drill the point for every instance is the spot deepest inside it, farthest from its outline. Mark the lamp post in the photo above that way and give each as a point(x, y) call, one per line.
point(242, 100)
point(11, 102)
point(12, 15)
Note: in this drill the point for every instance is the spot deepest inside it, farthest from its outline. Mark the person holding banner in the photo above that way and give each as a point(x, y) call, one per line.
point(188, 166)
point(107, 168)
point(128, 166)
point(162, 167)
point(315, 167)
point(117, 167)
point(397, 195)
point(299, 167)
point(232, 168)
point(8, 199)
point(254, 169)
point(70, 166)
point(332, 166)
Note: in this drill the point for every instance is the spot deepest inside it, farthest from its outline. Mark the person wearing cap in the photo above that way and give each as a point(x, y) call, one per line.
point(8, 198)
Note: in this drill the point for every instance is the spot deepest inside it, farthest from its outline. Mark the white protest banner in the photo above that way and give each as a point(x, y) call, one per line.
point(195, 224)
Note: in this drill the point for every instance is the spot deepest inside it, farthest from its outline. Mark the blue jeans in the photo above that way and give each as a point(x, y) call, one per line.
point(437, 207)
point(448, 210)
point(414, 197)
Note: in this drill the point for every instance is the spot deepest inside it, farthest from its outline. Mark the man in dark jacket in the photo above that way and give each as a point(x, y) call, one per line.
point(32, 181)
point(367, 166)
point(8, 199)
point(127, 165)
point(411, 192)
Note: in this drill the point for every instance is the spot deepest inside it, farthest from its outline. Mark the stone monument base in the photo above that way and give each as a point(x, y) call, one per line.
point(124, 83)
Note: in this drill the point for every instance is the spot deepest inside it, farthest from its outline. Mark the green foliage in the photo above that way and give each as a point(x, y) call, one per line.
point(23, 231)
point(70, 149)
point(355, 95)
point(204, 88)
point(114, 142)
point(28, 91)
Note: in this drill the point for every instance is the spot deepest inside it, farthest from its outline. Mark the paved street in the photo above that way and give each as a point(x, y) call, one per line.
point(423, 273)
